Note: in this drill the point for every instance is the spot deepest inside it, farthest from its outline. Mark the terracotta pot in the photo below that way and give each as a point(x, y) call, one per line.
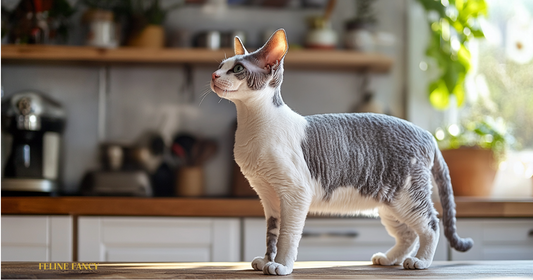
point(152, 37)
point(472, 171)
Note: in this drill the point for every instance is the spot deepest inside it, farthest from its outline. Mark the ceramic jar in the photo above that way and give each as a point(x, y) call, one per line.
point(101, 29)
point(359, 37)
point(320, 34)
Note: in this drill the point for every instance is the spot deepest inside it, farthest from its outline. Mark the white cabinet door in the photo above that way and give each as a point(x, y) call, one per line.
point(36, 238)
point(497, 239)
point(331, 239)
point(158, 239)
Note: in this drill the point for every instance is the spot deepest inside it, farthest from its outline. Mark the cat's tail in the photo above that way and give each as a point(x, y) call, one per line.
point(444, 184)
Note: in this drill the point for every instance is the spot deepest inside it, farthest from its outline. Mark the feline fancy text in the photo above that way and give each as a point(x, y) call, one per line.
point(68, 266)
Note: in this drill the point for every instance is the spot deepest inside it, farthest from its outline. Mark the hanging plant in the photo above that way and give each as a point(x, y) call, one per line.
point(453, 23)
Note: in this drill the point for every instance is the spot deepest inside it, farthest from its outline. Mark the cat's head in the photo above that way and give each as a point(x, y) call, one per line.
point(256, 75)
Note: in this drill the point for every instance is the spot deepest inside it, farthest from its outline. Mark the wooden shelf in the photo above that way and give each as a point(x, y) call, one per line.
point(308, 59)
point(218, 207)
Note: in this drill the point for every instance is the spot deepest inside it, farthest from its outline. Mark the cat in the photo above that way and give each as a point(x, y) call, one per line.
point(332, 164)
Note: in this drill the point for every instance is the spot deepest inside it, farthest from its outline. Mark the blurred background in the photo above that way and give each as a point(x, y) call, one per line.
point(112, 98)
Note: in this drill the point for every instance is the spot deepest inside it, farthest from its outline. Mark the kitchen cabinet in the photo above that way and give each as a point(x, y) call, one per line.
point(37, 238)
point(496, 239)
point(331, 239)
point(152, 239)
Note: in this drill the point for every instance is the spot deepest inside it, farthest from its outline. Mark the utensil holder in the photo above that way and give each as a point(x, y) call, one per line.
point(190, 181)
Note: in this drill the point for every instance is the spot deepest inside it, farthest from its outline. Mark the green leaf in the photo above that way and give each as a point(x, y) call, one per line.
point(439, 96)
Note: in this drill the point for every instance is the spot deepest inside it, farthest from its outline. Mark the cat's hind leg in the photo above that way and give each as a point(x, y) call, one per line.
point(414, 207)
point(406, 240)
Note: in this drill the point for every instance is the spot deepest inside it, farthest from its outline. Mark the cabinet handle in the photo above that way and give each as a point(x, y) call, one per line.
point(349, 234)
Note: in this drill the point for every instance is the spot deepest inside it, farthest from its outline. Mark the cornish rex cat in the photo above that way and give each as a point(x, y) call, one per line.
point(333, 163)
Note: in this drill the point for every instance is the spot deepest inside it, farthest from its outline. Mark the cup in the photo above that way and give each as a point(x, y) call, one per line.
point(190, 181)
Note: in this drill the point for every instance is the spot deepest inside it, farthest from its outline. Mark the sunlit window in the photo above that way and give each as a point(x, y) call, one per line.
point(500, 86)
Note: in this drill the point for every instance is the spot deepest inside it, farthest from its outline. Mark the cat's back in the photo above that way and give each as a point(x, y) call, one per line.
point(366, 129)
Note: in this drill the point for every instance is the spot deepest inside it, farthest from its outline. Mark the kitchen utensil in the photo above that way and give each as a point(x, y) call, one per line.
point(202, 151)
point(186, 142)
point(163, 181)
point(116, 183)
point(35, 124)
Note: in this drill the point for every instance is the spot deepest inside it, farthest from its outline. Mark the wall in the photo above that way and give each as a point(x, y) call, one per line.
point(155, 97)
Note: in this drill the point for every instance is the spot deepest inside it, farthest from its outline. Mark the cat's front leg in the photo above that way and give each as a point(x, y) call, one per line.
point(273, 224)
point(271, 206)
point(294, 210)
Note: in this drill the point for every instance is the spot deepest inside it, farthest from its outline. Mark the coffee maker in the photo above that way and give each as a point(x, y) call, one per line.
point(33, 124)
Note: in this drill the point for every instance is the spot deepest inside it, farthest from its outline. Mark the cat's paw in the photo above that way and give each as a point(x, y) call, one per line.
point(415, 263)
point(382, 259)
point(274, 268)
point(258, 263)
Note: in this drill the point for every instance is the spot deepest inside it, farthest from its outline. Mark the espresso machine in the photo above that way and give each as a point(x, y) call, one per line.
point(32, 124)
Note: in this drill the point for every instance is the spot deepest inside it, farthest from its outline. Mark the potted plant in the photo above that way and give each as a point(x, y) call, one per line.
point(358, 35)
point(473, 151)
point(145, 23)
point(474, 147)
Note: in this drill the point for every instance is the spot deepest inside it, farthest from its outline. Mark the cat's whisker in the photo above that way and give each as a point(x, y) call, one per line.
point(203, 97)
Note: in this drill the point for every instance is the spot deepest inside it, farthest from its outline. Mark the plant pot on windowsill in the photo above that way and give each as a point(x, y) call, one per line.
point(472, 170)
point(152, 37)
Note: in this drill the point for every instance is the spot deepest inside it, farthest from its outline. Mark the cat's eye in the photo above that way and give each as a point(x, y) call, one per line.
point(238, 68)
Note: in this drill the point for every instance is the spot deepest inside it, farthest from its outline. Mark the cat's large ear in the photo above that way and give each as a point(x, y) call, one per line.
point(276, 48)
point(239, 47)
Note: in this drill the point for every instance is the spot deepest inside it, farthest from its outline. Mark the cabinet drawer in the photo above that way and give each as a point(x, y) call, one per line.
point(508, 231)
point(496, 239)
point(155, 231)
point(158, 239)
point(343, 239)
point(345, 232)
point(25, 230)
point(36, 238)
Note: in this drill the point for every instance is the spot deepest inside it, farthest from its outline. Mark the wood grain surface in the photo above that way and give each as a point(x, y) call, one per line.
point(303, 270)
point(318, 59)
point(218, 207)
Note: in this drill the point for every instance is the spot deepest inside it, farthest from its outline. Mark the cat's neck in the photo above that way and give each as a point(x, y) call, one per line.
point(256, 113)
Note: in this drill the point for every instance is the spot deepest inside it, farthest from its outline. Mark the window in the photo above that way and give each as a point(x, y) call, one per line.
point(501, 86)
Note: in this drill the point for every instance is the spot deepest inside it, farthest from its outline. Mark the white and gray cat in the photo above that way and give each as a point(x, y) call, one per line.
point(333, 163)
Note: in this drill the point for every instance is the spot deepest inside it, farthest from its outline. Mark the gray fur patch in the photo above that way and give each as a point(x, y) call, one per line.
point(254, 80)
point(434, 225)
point(277, 76)
point(277, 100)
point(271, 238)
point(370, 152)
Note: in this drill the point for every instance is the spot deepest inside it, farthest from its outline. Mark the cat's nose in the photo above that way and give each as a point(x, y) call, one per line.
point(214, 75)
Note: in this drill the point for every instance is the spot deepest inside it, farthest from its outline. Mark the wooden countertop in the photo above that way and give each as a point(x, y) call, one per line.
point(303, 270)
point(218, 207)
